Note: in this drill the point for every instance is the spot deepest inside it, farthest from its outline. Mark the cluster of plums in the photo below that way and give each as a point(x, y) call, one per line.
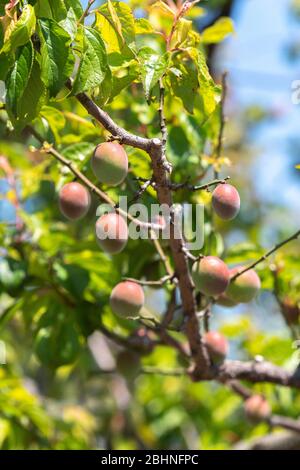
point(210, 274)
point(110, 166)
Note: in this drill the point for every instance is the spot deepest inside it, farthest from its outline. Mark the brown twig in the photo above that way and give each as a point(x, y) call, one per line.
point(266, 255)
point(202, 187)
point(159, 282)
point(86, 11)
point(163, 126)
point(222, 121)
point(161, 178)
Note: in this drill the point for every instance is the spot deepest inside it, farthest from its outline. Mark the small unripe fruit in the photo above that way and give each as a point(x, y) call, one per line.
point(217, 346)
point(112, 232)
point(226, 201)
point(74, 200)
point(210, 275)
point(257, 408)
point(110, 163)
point(225, 301)
point(126, 299)
point(245, 287)
point(128, 364)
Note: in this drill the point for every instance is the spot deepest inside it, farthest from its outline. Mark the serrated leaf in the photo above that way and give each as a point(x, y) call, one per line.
point(69, 24)
point(181, 32)
point(32, 99)
point(121, 17)
point(121, 82)
point(78, 152)
point(163, 8)
point(21, 31)
point(56, 61)
point(55, 119)
point(76, 6)
point(143, 26)
point(218, 31)
point(209, 93)
point(152, 68)
point(184, 82)
point(7, 62)
point(93, 65)
point(115, 19)
point(18, 78)
point(58, 9)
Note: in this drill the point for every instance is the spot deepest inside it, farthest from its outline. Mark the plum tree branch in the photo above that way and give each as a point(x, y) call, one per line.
point(48, 148)
point(266, 255)
point(158, 282)
point(163, 126)
point(274, 441)
point(256, 372)
point(202, 187)
point(107, 122)
point(154, 148)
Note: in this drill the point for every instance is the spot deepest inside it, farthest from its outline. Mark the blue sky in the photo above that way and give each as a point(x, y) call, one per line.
point(261, 74)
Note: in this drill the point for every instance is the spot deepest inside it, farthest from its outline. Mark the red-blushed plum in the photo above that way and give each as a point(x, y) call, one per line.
point(210, 275)
point(110, 163)
point(217, 346)
point(126, 299)
point(226, 201)
point(257, 408)
point(112, 232)
point(244, 288)
point(74, 200)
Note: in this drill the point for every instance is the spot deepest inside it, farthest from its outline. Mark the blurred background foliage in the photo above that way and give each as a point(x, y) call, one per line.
point(56, 390)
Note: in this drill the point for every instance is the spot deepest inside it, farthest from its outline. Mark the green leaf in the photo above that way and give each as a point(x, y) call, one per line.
point(7, 62)
point(76, 6)
point(56, 60)
point(181, 32)
point(121, 18)
point(56, 120)
point(143, 26)
point(152, 68)
point(18, 78)
point(93, 65)
point(57, 345)
point(21, 31)
point(184, 82)
point(58, 9)
point(32, 99)
point(69, 24)
point(218, 31)
point(209, 92)
point(78, 152)
point(121, 82)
